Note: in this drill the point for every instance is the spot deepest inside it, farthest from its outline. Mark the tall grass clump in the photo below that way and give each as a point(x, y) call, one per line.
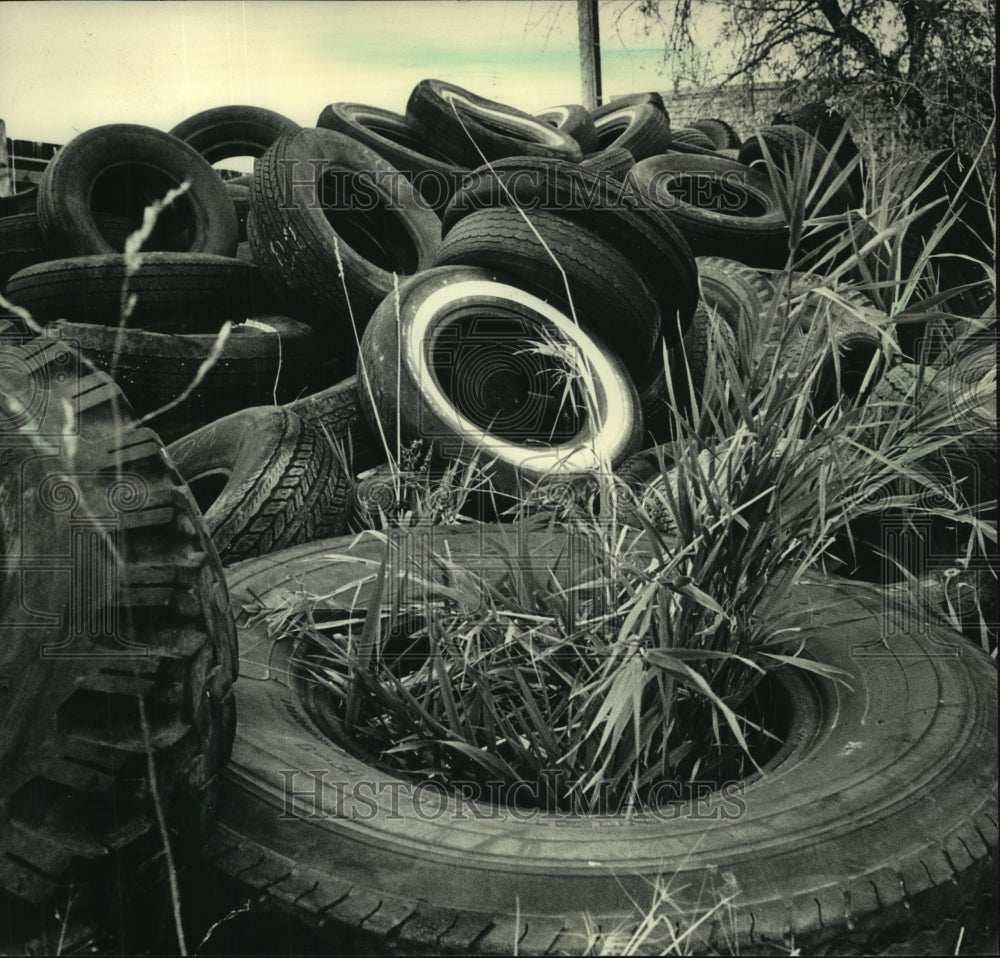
point(651, 662)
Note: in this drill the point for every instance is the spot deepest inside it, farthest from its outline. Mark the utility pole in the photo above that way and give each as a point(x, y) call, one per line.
point(6, 184)
point(590, 52)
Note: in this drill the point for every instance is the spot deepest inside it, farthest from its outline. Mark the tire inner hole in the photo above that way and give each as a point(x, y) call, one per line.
point(495, 369)
point(359, 213)
point(207, 487)
point(123, 192)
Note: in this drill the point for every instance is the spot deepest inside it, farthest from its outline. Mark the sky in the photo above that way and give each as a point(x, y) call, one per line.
point(69, 65)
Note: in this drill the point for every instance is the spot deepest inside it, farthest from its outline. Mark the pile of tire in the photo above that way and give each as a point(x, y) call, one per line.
point(249, 377)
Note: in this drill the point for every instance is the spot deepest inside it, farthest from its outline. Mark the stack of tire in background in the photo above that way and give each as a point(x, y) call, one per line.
point(373, 285)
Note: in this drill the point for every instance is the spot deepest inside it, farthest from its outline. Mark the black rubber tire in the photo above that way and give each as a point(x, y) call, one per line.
point(469, 127)
point(852, 326)
point(337, 414)
point(283, 486)
point(722, 135)
point(176, 292)
point(826, 125)
point(574, 120)
point(122, 168)
point(789, 145)
point(645, 235)
point(300, 251)
point(113, 592)
point(239, 193)
point(938, 176)
point(153, 369)
point(641, 129)
point(630, 99)
point(842, 848)
point(690, 140)
point(699, 352)
point(23, 201)
point(722, 208)
point(394, 138)
point(224, 132)
point(614, 162)
point(734, 292)
point(406, 354)
point(610, 299)
point(22, 244)
point(756, 279)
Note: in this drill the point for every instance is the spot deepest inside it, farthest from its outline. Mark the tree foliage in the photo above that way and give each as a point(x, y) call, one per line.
point(926, 58)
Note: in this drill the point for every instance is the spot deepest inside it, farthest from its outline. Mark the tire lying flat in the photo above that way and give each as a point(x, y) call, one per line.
point(840, 847)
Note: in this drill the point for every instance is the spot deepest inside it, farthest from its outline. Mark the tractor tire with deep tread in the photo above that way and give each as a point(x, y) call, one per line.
point(113, 597)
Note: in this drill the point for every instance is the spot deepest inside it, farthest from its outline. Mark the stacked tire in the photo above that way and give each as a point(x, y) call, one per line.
point(385, 302)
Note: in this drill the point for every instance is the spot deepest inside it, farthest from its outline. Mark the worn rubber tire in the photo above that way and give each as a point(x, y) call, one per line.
point(840, 848)
point(827, 125)
point(122, 168)
point(223, 132)
point(282, 484)
point(645, 235)
point(153, 369)
point(614, 162)
point(722, 135)
point(337, 414)
point(468, 127)
point(699, 352)
point(733, 291)
point(963, 250)
point(175, 291)
point(691, 140)
point(394, 138)
point(23, 201)
point(610, 299)
point(789, 145)
point(722, 208)
point(630, 99)
point(574, 120)
point(113, 592)
point(852, 325)
point(490, 369)
point(300, 252)
point(641, 129)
